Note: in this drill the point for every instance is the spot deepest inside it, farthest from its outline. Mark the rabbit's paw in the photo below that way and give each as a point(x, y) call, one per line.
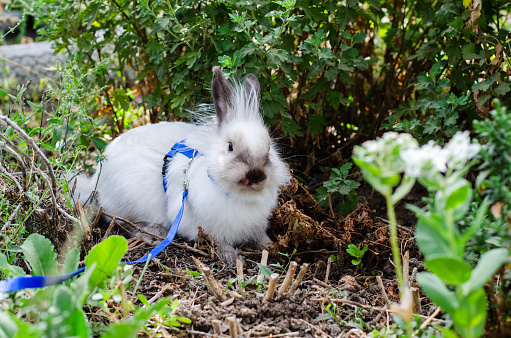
point(227, 253)
point(155, 229)
point(263, 243)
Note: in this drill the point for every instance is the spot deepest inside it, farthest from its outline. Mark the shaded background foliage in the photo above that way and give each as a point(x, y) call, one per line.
point(332, 73)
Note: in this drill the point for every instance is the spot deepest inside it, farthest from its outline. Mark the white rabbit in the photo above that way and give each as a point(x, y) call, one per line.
point(233, 184)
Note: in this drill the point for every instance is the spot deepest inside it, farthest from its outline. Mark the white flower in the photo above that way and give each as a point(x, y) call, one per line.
point(424, 161)
point(385, 145)
point(459, 150)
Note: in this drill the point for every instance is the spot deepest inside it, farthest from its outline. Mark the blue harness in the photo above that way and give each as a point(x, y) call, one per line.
point(26, 282)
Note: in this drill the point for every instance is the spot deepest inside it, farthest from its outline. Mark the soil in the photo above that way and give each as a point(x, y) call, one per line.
point(317, 235)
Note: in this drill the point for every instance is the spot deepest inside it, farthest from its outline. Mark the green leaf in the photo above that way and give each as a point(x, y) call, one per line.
point(458, 198)
point(57, 135)
point(75, 322)
point(99, 143)
point(3, 92)
point(72, 261)
point(390, 179)
point(488, 264)
point(502, 89)
point(39, 253)
point(436, 290)
point(316, 124)
point(372, 175)
point(121, 99)
point(8, 327)
point(246, 50)
point(264, 270)
point(290, 127)
point(452, 270)
point(277, 56)
point(12, 327)
point(482, 86)
point(321, 196)
point(334, 99)
point(143, 299)
point(431, 126)
point(431, 233)
point(470, 317)
point(107, 255)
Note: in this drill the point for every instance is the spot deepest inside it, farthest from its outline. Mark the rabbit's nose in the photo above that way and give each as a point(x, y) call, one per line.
point(254, 176)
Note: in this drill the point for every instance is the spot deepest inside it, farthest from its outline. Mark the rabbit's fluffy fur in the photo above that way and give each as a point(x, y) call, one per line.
point(233, 186)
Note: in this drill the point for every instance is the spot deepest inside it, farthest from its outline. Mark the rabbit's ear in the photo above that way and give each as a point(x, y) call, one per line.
point(222, 94)
point(252, 88)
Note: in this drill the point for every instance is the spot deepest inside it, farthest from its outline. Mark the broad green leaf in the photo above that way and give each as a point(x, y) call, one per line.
point(470, 317)
point(75, 322)
point(8, 327)
point(452, 270)
point(448, 333)
point(12, 327)
point(107, 255)
point(458, 198)
point(3, 92)
point(488, 264)
point(436, 290)
point(432, 237)
point(72, 260)
point(39, 253)
point(264, 270)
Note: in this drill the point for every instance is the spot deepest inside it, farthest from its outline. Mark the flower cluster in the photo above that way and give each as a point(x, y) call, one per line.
point(431, 159)
point(383, 151)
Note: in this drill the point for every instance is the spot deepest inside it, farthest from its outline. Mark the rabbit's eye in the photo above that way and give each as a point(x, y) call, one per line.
point(230, 146)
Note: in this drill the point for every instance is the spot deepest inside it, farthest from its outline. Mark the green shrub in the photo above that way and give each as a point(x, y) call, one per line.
point(339, 190)
point(331, 72)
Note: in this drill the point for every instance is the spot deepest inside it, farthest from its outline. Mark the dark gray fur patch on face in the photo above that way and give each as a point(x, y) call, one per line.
point(242, 157)
point(267, 160)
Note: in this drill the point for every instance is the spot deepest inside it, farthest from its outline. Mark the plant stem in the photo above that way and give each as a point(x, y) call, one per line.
point(396, 256)
point(125, 308)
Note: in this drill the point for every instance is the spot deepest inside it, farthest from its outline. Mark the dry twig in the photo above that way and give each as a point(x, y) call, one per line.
point(382, 290)
point(289, 277)
point(264, 261)
point(368, 307)
point(302, 272)
point(271, 287)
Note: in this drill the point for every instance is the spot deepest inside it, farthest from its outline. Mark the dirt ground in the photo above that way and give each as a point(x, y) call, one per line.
point(334, 298)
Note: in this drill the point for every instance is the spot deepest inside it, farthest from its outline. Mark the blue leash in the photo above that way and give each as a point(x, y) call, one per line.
point(31, 282)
